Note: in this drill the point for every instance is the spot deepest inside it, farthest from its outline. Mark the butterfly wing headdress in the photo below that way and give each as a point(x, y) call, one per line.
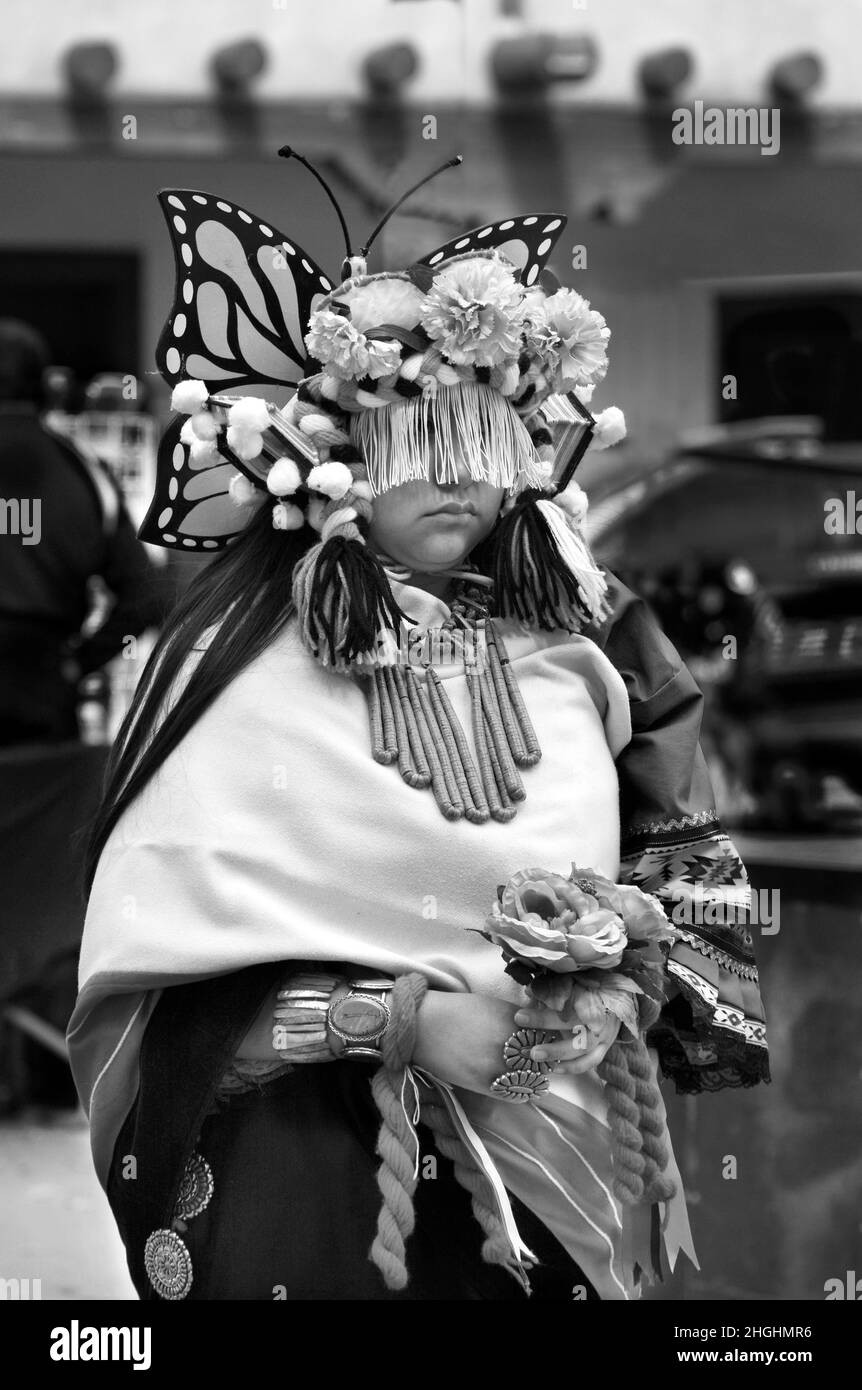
point(244, 296)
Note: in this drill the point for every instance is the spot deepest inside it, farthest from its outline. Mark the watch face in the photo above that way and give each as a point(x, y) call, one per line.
point(360, 1018)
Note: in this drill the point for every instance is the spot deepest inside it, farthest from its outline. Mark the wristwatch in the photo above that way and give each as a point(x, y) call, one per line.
point(361, 1016)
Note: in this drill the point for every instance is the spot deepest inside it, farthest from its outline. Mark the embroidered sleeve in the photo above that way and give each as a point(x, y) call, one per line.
point(712, 1032)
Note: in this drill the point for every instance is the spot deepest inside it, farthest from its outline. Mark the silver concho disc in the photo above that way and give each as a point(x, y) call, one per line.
point(196, 1189)
point(168, 1264)
point(520, 1086)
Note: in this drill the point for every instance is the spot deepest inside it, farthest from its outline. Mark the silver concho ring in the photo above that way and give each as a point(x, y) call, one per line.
point(516, 1050)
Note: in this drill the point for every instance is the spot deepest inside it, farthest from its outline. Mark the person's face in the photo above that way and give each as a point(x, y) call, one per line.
point(430, 527)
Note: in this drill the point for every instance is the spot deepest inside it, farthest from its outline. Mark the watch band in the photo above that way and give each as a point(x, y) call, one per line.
point(299, 1020)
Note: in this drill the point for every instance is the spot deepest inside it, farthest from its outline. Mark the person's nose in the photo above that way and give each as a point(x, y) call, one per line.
point(464, 479)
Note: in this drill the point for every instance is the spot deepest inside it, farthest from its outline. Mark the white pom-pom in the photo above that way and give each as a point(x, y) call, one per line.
point(574, 502)
point(203, 425)
point(242, 490)
point(287, 517)
point(610, 428)
point(187, 434)
point(251, 414)
point(284, 478)
point(204, 453)
point(245, 443)
point(333, 479)
point(188, 397)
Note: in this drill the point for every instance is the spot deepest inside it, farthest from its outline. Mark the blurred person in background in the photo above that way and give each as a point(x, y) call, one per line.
point(63, 522)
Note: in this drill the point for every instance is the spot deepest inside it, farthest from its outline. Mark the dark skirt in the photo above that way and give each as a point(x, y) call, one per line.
point(295, 1204)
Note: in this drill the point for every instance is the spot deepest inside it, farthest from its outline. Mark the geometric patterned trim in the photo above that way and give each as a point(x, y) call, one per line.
point(722, 958)
point(697, 982)
point(724, 1015)
point(660, 827)
point(659, 834)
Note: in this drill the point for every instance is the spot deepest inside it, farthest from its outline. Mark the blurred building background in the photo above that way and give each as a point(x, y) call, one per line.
point(730, 275)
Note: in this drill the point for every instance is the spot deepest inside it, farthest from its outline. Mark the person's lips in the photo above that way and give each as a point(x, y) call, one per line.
point(454, 509)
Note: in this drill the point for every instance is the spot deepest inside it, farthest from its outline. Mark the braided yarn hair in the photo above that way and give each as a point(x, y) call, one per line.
point(397, 1146)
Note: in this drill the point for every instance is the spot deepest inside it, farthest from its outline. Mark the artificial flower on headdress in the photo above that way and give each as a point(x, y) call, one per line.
point(389, 299)
point(454, 363)
point(474, 310)
point(570, 337)
point(346, 352)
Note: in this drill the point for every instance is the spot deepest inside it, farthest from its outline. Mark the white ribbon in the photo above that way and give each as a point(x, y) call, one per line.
point(486, 1163)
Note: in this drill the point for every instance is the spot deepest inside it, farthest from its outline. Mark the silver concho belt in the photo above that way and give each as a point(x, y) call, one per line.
point(166, 1256)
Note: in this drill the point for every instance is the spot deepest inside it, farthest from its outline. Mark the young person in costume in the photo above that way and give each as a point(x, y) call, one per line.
point(404, 681)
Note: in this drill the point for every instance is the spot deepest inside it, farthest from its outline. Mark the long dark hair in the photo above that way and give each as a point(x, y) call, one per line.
point(244, 592)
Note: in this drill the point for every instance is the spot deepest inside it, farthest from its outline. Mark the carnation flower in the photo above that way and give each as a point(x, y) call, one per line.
point(474, 312)
point(390, 299)
point(345, 352)
point(570, 337)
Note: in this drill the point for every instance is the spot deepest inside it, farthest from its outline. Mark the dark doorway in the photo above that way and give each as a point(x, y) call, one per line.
point(86, 303)
point(794, 354)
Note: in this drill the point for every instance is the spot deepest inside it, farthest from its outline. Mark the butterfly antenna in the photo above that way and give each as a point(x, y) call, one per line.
point(287, 153)
point(450, 164)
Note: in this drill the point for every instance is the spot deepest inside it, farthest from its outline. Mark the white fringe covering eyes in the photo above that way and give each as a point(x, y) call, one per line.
point(467, 423)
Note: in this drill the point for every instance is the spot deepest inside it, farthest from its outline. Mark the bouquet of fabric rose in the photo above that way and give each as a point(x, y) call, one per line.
point(585, 947)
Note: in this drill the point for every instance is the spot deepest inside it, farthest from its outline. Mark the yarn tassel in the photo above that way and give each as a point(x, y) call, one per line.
point(542, 571)
point(573, 548)
point(343, 601)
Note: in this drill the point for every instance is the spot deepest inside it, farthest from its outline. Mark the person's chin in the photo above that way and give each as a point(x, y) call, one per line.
point(446, 551)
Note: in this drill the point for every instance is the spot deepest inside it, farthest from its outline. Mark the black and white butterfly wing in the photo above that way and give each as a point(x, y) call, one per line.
point(191, 507)
point(526, 241)
point(243, 295)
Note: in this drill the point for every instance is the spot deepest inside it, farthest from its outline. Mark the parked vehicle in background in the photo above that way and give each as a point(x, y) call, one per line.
point(745, 543)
